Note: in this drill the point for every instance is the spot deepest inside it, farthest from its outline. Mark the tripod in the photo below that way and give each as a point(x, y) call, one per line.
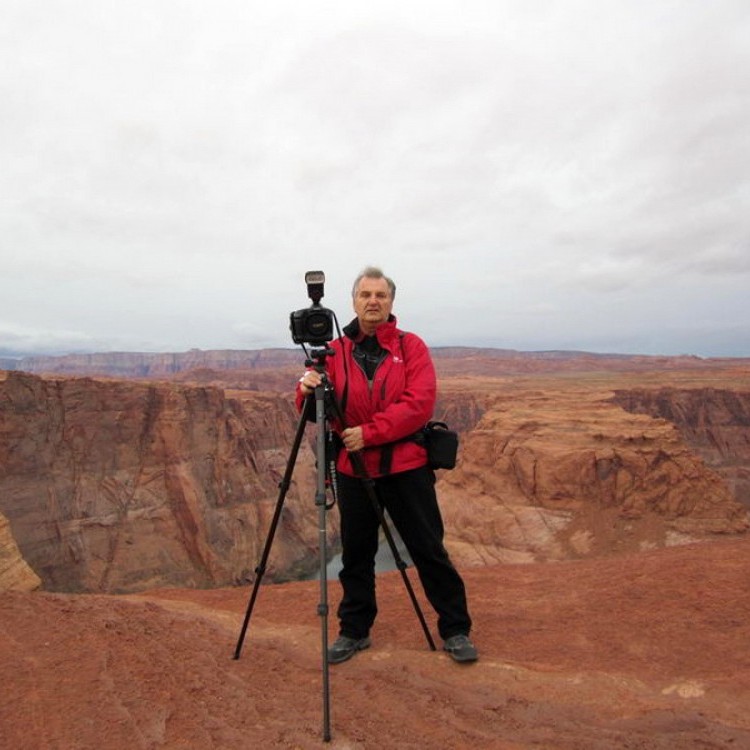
point(326, 408)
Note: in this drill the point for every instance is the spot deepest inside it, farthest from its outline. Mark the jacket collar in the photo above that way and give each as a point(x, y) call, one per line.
point(385, 332)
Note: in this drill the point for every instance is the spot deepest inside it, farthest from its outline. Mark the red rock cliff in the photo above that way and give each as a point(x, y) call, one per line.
point(564, 471)
point(121, 486)
point(118, 486)
point(715, 422)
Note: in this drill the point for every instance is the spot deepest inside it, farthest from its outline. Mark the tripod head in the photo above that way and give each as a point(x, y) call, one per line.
point(317, 358)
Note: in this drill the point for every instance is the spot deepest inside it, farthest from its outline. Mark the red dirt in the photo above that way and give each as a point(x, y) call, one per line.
point(648, 651)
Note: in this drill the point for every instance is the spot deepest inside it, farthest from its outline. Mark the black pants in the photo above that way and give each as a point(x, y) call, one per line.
point(409, 497)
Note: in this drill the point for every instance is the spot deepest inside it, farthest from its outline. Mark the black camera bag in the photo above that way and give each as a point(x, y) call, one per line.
point(440, 441)
point(441, 444)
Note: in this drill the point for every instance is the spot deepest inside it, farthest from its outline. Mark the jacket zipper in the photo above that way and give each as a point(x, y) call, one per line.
point(371, 382)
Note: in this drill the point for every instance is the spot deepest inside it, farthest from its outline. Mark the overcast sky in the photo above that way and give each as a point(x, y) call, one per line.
point(533, 174)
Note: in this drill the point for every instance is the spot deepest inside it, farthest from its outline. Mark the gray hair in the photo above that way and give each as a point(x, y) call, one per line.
point(371, 272)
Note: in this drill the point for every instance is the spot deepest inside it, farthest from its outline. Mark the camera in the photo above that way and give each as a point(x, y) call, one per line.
point(312, 325)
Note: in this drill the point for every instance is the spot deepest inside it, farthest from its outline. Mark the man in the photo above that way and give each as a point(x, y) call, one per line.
point(385, 381)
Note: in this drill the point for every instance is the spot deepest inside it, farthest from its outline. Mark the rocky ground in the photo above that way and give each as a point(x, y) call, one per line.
point(643, 651)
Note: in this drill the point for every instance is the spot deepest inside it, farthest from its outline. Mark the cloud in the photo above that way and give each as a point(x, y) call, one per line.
point(171, 169)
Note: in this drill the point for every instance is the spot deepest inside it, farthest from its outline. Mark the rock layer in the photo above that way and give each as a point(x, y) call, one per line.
point(118, 486)
point(715, 422)
point(564, 472)
point(15, 573)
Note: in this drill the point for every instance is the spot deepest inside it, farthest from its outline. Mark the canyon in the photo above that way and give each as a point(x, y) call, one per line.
point(115, 485)
point(599, 513)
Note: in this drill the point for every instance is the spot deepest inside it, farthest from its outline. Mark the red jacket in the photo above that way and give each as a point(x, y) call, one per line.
point(400, 402)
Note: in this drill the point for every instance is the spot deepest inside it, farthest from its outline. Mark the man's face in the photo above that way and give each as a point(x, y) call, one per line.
point(372, 303)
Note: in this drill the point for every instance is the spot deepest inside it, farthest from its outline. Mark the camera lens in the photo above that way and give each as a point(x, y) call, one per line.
point(317, 325)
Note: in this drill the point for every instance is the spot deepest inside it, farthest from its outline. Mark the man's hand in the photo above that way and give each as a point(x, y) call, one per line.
point(352, 437)
point(309, 381)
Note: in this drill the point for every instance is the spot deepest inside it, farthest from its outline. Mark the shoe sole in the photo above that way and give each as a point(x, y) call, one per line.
point(462, 658)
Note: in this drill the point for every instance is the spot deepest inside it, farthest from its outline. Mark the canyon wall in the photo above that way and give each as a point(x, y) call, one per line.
point(157, 364)
point(15, 572)
point(715, 422)
point(117, 486)
point(564, 471)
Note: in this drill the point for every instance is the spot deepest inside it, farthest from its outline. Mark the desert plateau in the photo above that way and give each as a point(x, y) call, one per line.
point(599, 513)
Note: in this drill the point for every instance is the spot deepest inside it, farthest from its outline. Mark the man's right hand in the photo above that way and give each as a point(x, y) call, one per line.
point(309, 382)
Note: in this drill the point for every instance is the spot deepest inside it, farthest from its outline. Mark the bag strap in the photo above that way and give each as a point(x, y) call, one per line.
point(386, 450)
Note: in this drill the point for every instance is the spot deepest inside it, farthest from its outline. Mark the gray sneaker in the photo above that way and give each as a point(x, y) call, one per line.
point(461, 648)
point(344, 648)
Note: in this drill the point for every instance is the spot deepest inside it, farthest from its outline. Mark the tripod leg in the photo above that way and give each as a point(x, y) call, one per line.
point(320, 502)
point(283, 489)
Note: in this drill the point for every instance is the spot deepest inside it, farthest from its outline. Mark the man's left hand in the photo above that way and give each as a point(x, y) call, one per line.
point(352, 437)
